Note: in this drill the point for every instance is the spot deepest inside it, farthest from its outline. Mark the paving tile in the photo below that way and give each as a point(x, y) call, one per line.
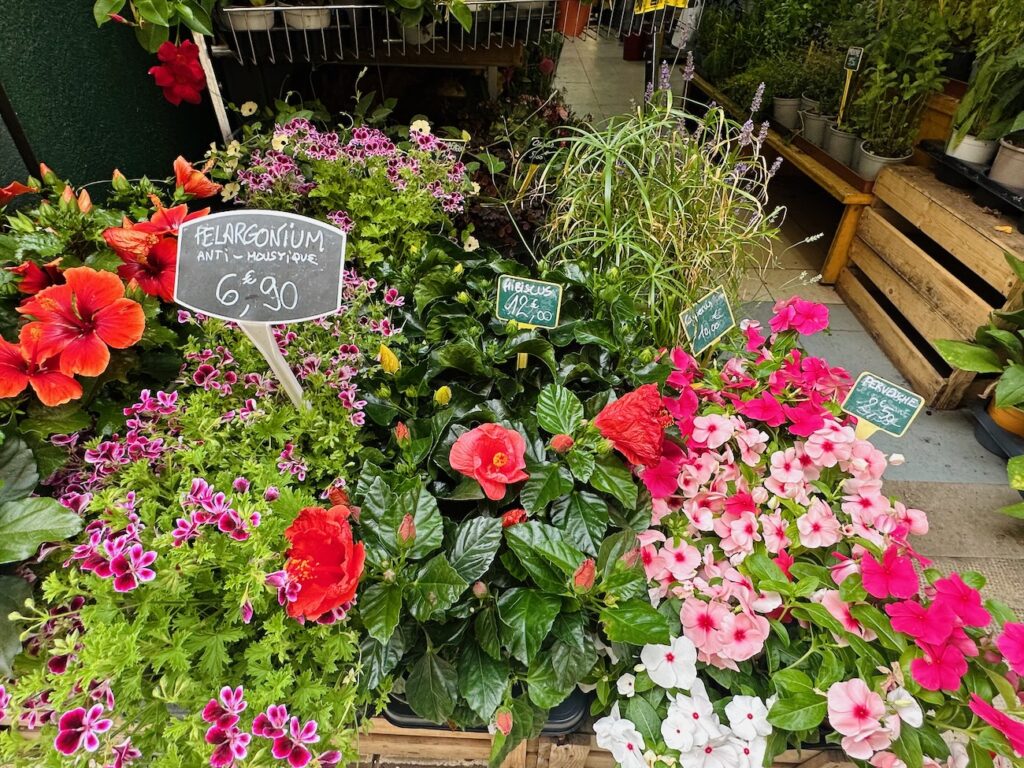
point(783, 283)
point(752, 289)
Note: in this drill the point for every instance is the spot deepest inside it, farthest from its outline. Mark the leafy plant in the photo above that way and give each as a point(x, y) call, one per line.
point(153, 20)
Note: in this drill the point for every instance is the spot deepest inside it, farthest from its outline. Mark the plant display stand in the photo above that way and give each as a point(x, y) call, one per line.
point(927, 264)
point(386, 745)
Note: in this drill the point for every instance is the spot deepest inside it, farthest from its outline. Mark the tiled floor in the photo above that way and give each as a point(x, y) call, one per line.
point(596, 81)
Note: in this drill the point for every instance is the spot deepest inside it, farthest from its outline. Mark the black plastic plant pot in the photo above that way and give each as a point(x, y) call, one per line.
point(994, 438)
point(986, 193)
point(565, 718)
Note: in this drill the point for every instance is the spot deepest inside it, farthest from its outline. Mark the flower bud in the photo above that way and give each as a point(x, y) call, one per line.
point(407, 531)
point(646, 355)
point(513, 517)
point(458, 270)
point(240, 485)
point(503, 721)
point(462, 297)
point(605, 447)
point(402, 436)
point(480, 590)
point(84, 201)
point(443, 396)
point(119, 182)
point(583, 579)
point(271, 494)
point(561, 443)
point(388, 576)
point(389, 361)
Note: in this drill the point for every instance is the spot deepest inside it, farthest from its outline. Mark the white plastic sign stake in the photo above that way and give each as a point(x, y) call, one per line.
point(258, 269)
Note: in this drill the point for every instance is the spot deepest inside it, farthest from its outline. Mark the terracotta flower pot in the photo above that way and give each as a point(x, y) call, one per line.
point(1010, 419)
point(572, 17)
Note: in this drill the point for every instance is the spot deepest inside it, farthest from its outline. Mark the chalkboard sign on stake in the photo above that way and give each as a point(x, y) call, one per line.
point(854, 56)
point(539, 152)
point(260, 268)
point(529, 302)
point(708, 320)
point(879, 404)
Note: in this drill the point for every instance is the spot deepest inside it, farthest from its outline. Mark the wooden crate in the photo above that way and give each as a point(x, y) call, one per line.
point(389, 745)
point(927, 264)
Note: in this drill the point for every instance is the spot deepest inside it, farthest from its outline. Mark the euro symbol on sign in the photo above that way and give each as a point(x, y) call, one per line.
point(250, 278)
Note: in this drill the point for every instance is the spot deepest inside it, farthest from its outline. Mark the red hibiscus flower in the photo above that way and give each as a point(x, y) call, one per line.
point(493, 456)
point(153, 272)
point(179, 72)
point(12, 190)
point(192, 181)
point(34, 278)
point(323, 560)
point(80, 319)
point(21, 366)
point(635, 423)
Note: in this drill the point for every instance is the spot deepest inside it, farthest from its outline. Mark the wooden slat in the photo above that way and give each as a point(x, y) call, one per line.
point(889, 336)
point(904, 296)
point(961, 306)
point(948, 217)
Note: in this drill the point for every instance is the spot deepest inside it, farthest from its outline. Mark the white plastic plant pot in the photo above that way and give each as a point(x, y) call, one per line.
point(868, 165)
point(786, 112)
point(307, 18)
point(814, 127)
point(418, 34)
point(809, 105)
point(971, 149)
point(1008, 167)
point(252, 19)
point(840, 144)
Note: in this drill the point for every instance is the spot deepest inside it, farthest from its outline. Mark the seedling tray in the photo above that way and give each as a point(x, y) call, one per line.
point(987, 193)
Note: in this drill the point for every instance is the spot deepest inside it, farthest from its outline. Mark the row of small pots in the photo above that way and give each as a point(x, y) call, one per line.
point(1007, 160)
point(803, 114)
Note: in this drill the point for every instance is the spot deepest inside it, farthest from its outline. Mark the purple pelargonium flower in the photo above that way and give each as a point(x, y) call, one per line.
point(287, 590)
point(291, 747)
point(5, 702)
point(125, 753)
point(130, 567)
point(225, 713)
point(229, 744)
point(329, 759)
point(272, 723)
point(80, 728)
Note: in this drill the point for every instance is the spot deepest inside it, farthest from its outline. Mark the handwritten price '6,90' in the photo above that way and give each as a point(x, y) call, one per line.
point(277, 296)
point(527, 310)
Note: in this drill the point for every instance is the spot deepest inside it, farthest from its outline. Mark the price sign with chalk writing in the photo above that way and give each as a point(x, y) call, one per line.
point(260, 267)
point(882, 405)
point(708, 320)
point(530, 302)
point(539, 152)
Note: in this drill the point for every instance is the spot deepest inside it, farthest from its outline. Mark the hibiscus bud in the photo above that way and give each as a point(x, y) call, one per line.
point(605, 447)
point(271, 494)
point(480, 590)
point(388, 576)
point(503, 721)
point(389, 361)
point(67, 195)
point(646, 355)
point(443, 396)
point(583, 579)
point(513, 517)
point(402, 436)
point(561, 443)
point(84, 201)
point(407, 530)
point(119, 182)
point(462, 297)
point(457, 270)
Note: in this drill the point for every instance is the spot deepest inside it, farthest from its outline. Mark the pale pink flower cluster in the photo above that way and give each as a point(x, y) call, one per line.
point(868, 723)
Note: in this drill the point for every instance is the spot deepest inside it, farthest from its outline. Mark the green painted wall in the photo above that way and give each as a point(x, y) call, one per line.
point(84, 98)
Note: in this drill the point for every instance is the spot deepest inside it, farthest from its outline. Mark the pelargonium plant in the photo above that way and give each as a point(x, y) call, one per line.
point(202, 616)
point(792, 586)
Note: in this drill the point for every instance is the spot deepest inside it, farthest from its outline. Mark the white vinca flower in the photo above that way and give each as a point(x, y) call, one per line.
point(906, 707)
point(620, 737)
point(626, 685)
point(671, 666)
point(720, 753)
point(748, 717)
point(751, 752)
point(691, 722)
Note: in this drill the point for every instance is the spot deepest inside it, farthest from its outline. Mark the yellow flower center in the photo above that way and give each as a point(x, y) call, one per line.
point(499, 460)
point(299, 570)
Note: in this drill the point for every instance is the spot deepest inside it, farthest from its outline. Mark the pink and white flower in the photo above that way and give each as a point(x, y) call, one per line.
point(80, 728)
point(671, 666)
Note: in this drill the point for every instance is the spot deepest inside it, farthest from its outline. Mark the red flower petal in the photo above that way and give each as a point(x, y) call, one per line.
point(87, 355)
point(121, 323)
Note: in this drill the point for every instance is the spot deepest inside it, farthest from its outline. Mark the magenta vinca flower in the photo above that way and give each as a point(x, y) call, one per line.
point(80, 728)
point(272, 723)
point(225, 713)
point(229, 744)
point(130, 567)
point(291, 747)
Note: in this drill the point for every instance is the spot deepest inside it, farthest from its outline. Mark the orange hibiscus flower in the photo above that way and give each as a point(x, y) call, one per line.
point(82, 318)
point(21, 366)
point(323, 560)
point(12, 190)
point(154, 271)
point(193, 181)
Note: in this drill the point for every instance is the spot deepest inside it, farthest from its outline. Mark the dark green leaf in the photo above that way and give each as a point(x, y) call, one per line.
point(636, 622)
point(18, 475)
point(544, 553)
point(584, 518)
point(379, 659)
point(545, 688)
point(436, 588)
point(559, 411)
point(485, 627)
point(432, 687)
point(27, 523)
point(482, 680)
point(526, 618)
point(799, 712)
point(874, 619)
point(612, 477)
point(384, 508)
point(547, 482)
point(474, 546)
point(908, 748)
point(646, 719)
point(380, 606)
point(13, 594)
point(792, 681)
point(581, 464)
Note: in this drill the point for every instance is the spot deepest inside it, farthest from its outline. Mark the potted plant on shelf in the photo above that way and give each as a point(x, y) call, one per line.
point(250, 15)
point(572, 17)
point(787, 78)
point(1008, 167)
point(306, 14)
point(904, 69)
point(819, 102)
point(995, 93)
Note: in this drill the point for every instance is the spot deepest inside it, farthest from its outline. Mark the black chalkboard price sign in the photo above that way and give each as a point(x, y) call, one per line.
point(539, 152)
point(260, 267)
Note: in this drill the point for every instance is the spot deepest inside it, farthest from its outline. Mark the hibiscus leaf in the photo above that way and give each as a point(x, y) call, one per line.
point(544, 553)
point(584, 517)
point(102, 9)
point(544, 687)
point(18, 474)
point(485, 627)
point(559, 411)
point(799, 712)
point(431, 688)
point(27, 523)
point(581, 464)
point(474, 545)
point(526, 618)
point(380, 606)
point(547, 482)
point(436, 588)
point(380, 658)
point(384, 505)
point(482, 680)
point(636, 622)
point(611, 476)
point(13, 594)
point(646, 719)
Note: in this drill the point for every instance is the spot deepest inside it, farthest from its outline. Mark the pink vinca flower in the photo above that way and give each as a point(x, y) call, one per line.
point(964, 600)
point(856, 712)
point(744, 635)
point(81, 728)
point(130, 567)
point(841, 610)
point(681, 560)
point(291, 747)
point(796, 314)
point(940, 669)
point(713, 431)
point(819, 527)
point(703, 623)
point(1010, 644)
point(892, 576)
point(930, 625)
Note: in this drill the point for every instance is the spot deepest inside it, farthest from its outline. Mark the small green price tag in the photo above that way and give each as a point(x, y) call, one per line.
point(880, 404)
point(854, 56)
point(529, 302)
point(708, 320)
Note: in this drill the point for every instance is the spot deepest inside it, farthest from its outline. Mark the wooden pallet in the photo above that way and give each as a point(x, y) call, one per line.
point(388, 745)
point(927, 264)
